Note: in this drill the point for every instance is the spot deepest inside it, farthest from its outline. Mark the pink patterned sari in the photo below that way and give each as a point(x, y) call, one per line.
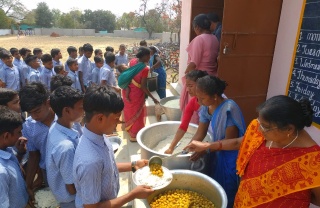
point(135, 111)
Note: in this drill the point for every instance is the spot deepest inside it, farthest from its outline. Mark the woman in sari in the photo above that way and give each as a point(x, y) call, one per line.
point(226, 120)
point(202, 53)
point(134, 79)
point(157, 66)
point(279, 163)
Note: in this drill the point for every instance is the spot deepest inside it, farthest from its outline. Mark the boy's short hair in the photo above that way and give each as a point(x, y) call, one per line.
point(143, 43)
point(6, 95)
point(5, 54)
point(30, 58)
point(87, 47)
point(109, 49)
point(13, 51)
point(64, 96)
point(97, 59)
point(58, 69)
point(121, 68)
point(45, 58)
point(36, 51)
point(55, 51)
point(110, 57)
point(32, 96)
point(97, 51)
point(9, 120)
point(101, 99)
point(58, 81)
point(71, 61)
point(71, 49)
point(122, 46)
point(81, 48)
point(24, 51)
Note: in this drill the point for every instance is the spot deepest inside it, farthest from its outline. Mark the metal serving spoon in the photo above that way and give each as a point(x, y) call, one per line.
point(158, 160)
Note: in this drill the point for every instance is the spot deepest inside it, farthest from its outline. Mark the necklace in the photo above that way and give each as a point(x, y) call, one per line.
point(287, 144)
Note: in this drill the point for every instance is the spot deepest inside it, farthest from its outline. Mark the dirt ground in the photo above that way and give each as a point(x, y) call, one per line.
point(46, 43)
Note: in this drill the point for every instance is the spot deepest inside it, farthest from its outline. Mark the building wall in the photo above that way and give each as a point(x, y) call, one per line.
point(5, 32)
point(65, 32)
point(286, 40)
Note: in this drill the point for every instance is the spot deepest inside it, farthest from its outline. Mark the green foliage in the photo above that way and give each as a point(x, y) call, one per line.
point(43, 15)
point(30, 18)
point(128, 21)
point(13, 9)
point(99, 20)
point(5, 21)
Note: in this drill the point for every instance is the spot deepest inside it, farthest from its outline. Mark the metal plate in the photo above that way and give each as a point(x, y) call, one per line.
point(140, 175)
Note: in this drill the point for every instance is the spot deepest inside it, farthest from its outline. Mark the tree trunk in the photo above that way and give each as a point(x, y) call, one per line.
point(150, 34)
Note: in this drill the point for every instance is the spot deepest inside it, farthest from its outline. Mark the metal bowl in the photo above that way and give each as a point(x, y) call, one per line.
point(150, 136)
point(173, 114)
point(115, 141)
point(198, 182)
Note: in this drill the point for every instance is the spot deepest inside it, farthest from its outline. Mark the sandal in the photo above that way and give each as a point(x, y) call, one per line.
point(133, 139)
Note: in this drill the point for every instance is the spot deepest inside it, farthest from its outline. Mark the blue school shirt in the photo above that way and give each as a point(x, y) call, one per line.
point(17, 62)
point(121, 59)
point(85, 67)
point(36, 133)
point(24, 73)
point(113, 76)
point(106, 74)
point(12, 185)
point(66, 67)
point(1, 63)
point(75, 79)
point(96, 75)
point(61, 146)
point(45, 76)
point(34, 75)
point(11, 76)
point(95, 173)
point(56, 63)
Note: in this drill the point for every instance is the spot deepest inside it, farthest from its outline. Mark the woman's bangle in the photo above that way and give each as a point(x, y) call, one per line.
point(133, 166)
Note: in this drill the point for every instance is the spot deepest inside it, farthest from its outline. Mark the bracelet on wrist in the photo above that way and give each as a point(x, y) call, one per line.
point(133, 166)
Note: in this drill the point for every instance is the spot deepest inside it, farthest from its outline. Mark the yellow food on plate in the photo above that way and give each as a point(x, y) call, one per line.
point(156, 169)
point(179, 198)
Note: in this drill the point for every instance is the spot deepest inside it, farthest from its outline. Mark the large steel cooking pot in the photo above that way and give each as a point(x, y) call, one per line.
point(149, 137)
point(198, 182)
point(173, 114)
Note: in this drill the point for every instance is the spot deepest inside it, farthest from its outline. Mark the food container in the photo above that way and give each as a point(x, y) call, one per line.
point(152, 82)
point(115, 141)
point(172, 113)
point(149, 137)
point(198, 182)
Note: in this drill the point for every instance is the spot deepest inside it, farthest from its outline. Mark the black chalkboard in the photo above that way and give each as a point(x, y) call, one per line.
point(304, 80)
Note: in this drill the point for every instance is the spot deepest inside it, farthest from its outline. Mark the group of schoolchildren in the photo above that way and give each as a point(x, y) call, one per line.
point(51, 147)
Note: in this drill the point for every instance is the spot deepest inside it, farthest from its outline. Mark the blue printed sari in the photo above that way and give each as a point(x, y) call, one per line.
point(223, 163)
point(162, 77)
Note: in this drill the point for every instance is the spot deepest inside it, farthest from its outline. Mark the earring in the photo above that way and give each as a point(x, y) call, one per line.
point(288, 135)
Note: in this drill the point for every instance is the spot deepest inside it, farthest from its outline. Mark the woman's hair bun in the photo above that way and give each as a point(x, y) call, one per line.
point(307, 111)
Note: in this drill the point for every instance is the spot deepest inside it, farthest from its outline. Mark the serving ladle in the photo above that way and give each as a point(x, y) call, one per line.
point(159, 160)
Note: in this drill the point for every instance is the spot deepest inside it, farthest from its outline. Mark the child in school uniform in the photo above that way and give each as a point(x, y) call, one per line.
point(9, 73)
point(72, 51)
point(73, 74)
point(33, 63)
point(80, 52)
point(46, 72)
point(38, 52)
point(34, 99)
point(17, 58)
point(10, 99)
point(60, 70)
point(85, 67)
point(95, 171)
point(62, 141)
point(12, 185)
point(56, 56)
point(96, 70)
point(25, 69)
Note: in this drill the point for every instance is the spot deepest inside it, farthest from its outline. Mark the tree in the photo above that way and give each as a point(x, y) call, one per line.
point(151, 19)
point(5, 21)
point(13, 9)
point(127, 21)
point(99, 20)
point(174, 14)
point(44, 17)
point(56, 14)
point(30, 18)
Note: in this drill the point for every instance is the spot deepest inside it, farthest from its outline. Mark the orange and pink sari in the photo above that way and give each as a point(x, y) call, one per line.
point(275, 177)
point(135, 110)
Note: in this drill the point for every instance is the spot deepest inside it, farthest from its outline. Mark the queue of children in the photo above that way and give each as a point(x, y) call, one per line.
point(46, 149)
